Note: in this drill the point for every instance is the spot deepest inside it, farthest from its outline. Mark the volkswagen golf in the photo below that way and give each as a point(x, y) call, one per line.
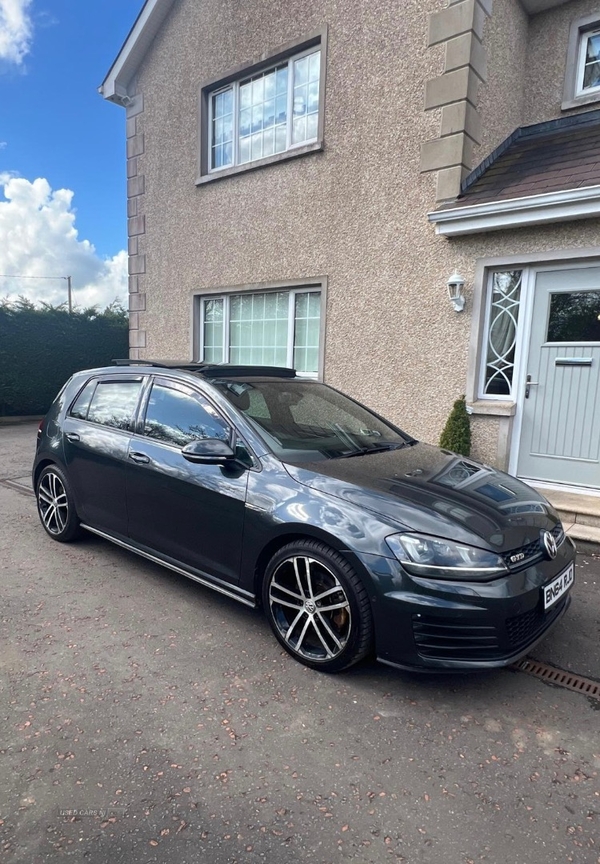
point(282, 492)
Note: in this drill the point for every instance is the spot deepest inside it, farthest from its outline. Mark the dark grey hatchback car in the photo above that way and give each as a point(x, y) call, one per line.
point(282, 492)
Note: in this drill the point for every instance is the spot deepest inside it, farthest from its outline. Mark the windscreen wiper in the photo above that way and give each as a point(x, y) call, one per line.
point(377, 448)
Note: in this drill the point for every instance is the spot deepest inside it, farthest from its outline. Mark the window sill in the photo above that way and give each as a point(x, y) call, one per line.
point(491, 407)
point(580, 101)
point(315, 147)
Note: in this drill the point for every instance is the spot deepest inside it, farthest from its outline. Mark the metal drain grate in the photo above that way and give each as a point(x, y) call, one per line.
point(559, 677)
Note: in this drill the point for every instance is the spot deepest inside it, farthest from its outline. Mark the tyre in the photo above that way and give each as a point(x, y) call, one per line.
point(317, 606)
point(55, 505)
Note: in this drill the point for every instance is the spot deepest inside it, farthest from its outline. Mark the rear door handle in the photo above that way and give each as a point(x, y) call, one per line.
point(72, 436)
point(139, 458)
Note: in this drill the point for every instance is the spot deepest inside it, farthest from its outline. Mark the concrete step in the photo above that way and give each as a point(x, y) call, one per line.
point(580, 513)
point(584, 533)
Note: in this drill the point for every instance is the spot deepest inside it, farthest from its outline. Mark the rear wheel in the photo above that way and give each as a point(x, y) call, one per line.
point(55, 505)
point(317, 606)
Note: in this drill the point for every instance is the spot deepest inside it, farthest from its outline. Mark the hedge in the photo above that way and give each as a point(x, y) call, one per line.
point(41, 346)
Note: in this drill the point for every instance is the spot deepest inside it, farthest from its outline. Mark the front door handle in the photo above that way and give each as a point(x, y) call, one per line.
point(72, 436)
point(139, 458)
point(529, 384)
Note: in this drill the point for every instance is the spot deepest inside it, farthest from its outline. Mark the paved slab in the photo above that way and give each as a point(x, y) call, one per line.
point(146, 719)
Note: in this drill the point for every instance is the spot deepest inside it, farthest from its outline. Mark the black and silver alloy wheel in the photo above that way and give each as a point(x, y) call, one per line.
point(317, 606)
point(55, 505)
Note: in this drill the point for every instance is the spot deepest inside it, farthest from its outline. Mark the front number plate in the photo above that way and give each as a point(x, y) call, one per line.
point(555, 589)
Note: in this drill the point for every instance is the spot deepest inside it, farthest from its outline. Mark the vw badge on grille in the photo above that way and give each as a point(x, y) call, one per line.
point(549, 544)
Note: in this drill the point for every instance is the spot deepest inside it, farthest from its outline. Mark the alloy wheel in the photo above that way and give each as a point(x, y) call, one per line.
point(53, 503)
point(310, 608)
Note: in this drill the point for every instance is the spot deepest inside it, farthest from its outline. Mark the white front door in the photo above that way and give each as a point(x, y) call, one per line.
point(560, 426)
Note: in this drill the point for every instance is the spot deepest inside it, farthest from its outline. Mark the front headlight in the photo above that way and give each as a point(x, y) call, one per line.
point(443, 559)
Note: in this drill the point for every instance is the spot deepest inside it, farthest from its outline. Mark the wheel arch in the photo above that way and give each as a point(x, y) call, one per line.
point(295, 533)
point(43, 463)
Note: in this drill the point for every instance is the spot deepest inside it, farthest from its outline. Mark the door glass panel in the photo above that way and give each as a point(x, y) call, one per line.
point(502, 332)
point(179, 418)
point(114, 403)
point(574, 317)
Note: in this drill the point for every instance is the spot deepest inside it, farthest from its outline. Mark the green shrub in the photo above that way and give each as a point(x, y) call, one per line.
point(41, 346)
point(457, 431)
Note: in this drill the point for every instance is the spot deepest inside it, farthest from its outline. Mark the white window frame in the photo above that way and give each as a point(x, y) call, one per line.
point(234, 86)
point(292, 293)
point(584, 35)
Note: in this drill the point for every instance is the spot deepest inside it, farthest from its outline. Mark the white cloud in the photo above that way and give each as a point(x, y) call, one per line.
point(38, 238)
point(15, 30)
point(3, 144)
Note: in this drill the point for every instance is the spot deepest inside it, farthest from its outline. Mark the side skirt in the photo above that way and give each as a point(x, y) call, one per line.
point(238, 594)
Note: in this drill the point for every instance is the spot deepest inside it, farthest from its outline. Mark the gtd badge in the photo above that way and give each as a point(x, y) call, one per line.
point(549, 544)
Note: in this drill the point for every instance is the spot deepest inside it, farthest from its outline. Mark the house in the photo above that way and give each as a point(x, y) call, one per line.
point(305, 179)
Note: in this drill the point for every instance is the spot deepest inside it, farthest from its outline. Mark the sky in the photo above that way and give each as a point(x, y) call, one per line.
point(62, 150)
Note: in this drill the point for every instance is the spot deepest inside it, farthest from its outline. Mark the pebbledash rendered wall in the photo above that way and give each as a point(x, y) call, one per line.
point(354, 214)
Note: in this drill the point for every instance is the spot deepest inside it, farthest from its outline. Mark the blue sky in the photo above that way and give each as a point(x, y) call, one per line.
point(55, 126)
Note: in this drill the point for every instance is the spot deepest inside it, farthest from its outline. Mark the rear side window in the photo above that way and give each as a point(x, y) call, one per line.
point(82, 403)
point(177, 417)
point(114, 403)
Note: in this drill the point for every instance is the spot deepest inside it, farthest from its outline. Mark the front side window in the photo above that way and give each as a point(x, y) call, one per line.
point(265, 114)
point(588, 72)
point(177, 417)
point(279, 328)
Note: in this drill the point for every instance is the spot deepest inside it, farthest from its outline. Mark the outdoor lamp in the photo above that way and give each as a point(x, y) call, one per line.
point(456, 283)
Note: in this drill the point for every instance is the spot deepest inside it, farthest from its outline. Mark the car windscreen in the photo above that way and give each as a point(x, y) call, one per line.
point(303, 421)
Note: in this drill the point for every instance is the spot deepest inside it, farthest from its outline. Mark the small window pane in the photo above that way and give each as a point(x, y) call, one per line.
point(213, 331)
point(306, 332)
point(222, 129)
point(281, 109)
point(82, 403)
point(244, 150)
point(574, 317)
point(269, 86)
point(312, 125)
point(180, 418)
point(114, 403)
point(502, 332)
point(282, 80)
point(591, 61)
point(301, 71)
point(299, 130)
point(246, 95)
point(280, 139)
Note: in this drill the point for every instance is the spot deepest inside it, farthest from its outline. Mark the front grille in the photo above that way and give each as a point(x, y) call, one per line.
point(442, 639)
point(525, 627)
point(533, 551)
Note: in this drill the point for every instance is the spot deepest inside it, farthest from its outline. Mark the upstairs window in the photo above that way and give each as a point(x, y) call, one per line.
point(582, 78)
point(588, 72)
point(270, 111)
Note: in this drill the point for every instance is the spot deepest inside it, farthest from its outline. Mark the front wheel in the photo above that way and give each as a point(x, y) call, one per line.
point(317, 606)
point(55, 505)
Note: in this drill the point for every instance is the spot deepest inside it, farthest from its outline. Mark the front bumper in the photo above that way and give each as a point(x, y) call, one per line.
point(427, 624)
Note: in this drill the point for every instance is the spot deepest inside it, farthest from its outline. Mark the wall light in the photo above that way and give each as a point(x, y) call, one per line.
point(456, 283)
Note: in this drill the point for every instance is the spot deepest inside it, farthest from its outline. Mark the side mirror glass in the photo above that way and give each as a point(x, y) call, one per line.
point(208, 451)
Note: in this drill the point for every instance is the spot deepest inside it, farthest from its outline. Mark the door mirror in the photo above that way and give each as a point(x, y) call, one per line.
point(208, 451)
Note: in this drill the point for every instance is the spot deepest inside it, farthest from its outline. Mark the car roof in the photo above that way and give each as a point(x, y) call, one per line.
point(212, 370)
